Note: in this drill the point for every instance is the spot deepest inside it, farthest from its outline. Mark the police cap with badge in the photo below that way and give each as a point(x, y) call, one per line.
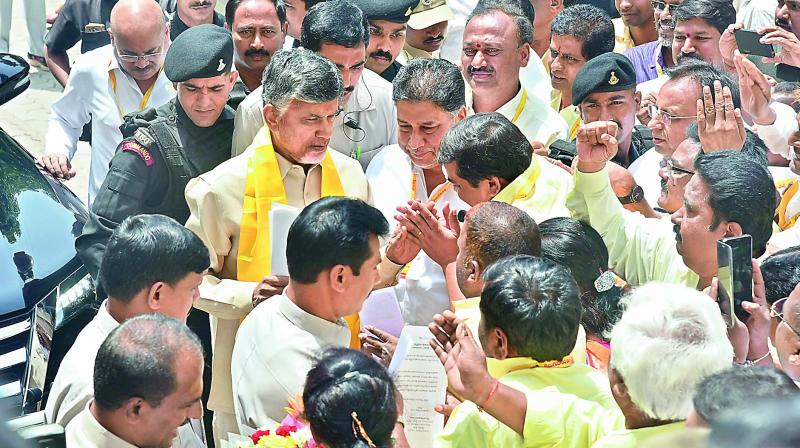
point(202, 51)
point(609, 72)
point(397, 11)
point(428, 13)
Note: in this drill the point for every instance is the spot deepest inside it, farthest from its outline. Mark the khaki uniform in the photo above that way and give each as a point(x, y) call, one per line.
point(410, 53)
point(215, 202)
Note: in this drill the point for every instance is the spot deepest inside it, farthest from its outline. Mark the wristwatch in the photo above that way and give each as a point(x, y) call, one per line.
point(635, 196)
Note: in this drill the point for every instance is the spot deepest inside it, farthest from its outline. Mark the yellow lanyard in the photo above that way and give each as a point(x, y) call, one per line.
point(113, 77)
point(521, 105)
point(436, 196)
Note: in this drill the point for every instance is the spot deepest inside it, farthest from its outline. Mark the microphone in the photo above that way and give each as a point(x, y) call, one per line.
point(352, 124)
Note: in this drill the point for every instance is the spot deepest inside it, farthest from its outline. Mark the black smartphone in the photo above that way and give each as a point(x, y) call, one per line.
point(749, 42)
point(735, 275)
point(563, 151)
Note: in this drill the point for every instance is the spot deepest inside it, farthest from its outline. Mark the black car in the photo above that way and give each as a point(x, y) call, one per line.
point(46, 294)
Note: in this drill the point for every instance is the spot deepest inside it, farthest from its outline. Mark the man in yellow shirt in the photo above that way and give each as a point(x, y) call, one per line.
point(680, 334)
point(530, 314)
point(729, 195)
point(578, 34)
point(289, 162)
point(487, 158)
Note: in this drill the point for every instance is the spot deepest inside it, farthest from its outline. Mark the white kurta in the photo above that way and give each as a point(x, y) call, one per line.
point(423, 291)
point(91, 95)
point(275, 348)
point(370, 106)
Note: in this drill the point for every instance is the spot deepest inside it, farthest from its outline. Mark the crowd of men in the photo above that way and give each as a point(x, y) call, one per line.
point(542, 185)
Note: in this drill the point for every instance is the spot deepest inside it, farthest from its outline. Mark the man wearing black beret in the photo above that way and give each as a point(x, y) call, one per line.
point(387, 33)
point(605, 90)
point(163, 148)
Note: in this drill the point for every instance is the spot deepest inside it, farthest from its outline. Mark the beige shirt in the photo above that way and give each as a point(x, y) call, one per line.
point(73, 388)
point(85, 432)
point(536, 119)
point(275, 348)
point(622, 36)
point(410, 53)
point(215, 201)
point(370, 106)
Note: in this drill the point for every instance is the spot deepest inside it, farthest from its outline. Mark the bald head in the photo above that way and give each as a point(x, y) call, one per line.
point(130, 18)
point(496, 230)
point(140, 37)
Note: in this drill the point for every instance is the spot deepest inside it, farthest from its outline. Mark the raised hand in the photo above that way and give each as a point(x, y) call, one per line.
point(465, 364)
point(755, 90)
point(404, 245)
point(790, 45)
point(269, 286)
point(596, 145)
point(719, 123)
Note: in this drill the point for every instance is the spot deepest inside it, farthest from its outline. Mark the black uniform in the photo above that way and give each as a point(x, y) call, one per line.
point(161, 150)
point(391, 71)
point(641, 142)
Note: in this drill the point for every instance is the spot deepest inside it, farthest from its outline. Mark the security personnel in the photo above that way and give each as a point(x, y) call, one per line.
point(605, 89)
point(387, 29)
point(165, 147)
point(162, 149)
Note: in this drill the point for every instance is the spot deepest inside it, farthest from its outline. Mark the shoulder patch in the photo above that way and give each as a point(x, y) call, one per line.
point(141, 151)
point(143, 137)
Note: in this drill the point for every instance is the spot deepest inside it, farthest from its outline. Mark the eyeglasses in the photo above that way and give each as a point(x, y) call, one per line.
point(776, 310)
point(674, 171)
point(135, 58)
point(665, 116)
point(660, 5)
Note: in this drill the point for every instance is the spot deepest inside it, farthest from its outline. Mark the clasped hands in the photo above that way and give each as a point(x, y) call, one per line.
point(422, 227)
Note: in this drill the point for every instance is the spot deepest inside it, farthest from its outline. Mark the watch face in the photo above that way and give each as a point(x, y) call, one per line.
point(637, 194)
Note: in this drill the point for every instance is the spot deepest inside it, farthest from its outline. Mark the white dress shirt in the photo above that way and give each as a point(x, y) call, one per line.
point(423, 291)
point(370, 107)
point(275, 348)
point(73, 387)
point(90, 94)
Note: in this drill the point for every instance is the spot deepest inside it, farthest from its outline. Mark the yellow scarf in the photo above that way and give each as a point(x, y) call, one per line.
point(263, 187)
point(790, 188)
point(521, 189)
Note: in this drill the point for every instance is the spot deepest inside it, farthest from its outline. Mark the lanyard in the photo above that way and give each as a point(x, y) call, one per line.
point(521, 105)
point(436, 196)
point(145, 99)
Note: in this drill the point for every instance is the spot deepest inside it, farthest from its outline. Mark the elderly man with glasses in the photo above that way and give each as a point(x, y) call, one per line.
point(105, 85)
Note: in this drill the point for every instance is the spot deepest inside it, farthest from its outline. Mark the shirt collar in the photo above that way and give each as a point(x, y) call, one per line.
point(335, 333)
point(284, 165)
point(94, 432)
point(105, 321)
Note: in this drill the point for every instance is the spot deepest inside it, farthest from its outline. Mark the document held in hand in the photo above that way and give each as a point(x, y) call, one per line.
point(281, 217)
point(421, 379)
point(382, 311)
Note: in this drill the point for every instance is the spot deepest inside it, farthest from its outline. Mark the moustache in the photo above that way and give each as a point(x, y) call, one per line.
point(472, 70)
point(677, 229)
point(689, 56)
point(783, 23)
point(431, 40)
point(256, 52)
point(663, 185)
point(200, 4)
point(381, 54)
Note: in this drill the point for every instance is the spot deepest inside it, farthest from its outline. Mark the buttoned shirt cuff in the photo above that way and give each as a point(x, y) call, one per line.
point(229, 299)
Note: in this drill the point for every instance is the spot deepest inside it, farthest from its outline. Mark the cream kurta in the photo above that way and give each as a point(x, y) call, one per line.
point(423, 292)
point(85, 432)
point(536, 120)
point(622, 36)
point(276, 346)
point(73, 387)
point(215, 201)
point(370, 106)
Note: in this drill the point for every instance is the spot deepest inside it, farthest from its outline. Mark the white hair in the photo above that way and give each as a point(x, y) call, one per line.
point(669, 339)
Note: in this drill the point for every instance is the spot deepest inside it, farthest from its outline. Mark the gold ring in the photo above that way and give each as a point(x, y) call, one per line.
point(710, 111)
